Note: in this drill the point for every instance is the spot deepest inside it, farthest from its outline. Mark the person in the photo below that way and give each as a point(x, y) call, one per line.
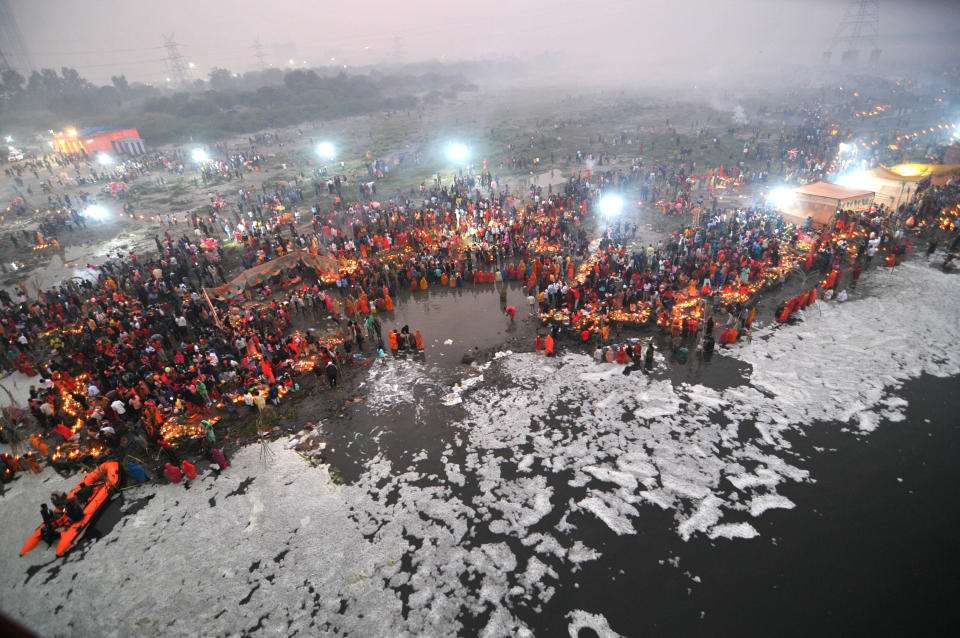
point(47, 514)
point(107, 433)
point(137, 472)
point(84, 493)
point(189, 470)
point(217, 455)
point(74, 511)
point(548, 345)
point(273, 394)
point(511, 311)
point(332, 373)
point(648, 358)
point(621, 355)
point(173, 473)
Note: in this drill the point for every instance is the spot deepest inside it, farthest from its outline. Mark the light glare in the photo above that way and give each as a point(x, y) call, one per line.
point(457, 152)
point(781, 197)
point(610, 205)
point(325, 149)
point(96, 212)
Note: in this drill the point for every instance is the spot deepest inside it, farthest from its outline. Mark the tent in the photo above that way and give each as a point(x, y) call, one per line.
point(820, 201)
point(896, 185)
point(262, 272)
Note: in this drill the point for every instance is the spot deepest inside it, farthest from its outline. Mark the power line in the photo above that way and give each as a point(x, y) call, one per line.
point(178, 70)
point(858, 29)
point(47, 54)
point(258, 53)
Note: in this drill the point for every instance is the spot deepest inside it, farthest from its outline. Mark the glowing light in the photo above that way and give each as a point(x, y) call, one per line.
point(907, 170)
point(199, 155)
point(858, 179)
point(782, 197)
point(457, 152)
point(72, 132)
point(104, 159)
point(846, 148)
point(326, 150)
point(96, 212)
point(192, 65)
point(610, 205)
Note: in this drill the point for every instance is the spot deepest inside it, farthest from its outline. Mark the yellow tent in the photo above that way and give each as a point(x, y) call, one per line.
point(917, 172)
point(895, 185)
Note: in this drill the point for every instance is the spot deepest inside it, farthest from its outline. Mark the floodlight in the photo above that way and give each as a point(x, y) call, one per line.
point(325, 150)
point(457, 152)
point(610, 205)
point(96, 212)
point(782, 197)
point(858, 179)
point(199, 155)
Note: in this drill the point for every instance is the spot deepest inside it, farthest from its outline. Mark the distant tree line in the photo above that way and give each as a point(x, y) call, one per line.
point(225, 103)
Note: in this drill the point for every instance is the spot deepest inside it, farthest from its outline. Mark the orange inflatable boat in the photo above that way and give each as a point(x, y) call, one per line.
point(104, 480)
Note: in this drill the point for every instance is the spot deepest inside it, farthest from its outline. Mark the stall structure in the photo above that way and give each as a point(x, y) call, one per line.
point(896, 185)
point(821, 201)
point(103, 139)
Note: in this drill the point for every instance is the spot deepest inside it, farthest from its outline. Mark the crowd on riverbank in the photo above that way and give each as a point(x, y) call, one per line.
point(149, 351)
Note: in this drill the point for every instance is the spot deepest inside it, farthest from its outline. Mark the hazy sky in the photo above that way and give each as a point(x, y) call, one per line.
point(105, 37)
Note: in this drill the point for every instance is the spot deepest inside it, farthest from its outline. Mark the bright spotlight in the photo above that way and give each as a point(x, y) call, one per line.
point(782, 197)
point(457, 153)
point(199, 155)
point(325, 150)
point(105, 159)
point(96, 212)
point(854, 180)
point(610, 205)
point(845, 148)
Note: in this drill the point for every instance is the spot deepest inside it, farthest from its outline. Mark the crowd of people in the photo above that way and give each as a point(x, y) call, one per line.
point(149, 351)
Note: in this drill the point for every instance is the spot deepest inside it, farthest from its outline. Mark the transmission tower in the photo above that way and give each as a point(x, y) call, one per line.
point(858, 30)
point(258, 53)
point(175, 65)
point(15, 54)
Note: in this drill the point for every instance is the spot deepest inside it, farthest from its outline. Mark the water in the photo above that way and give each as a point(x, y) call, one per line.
point(870, 548)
